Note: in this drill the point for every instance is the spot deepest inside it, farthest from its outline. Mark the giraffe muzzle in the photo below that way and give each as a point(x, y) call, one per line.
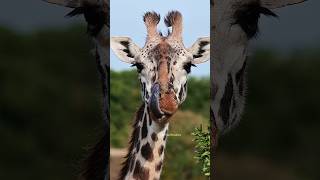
point(162, 102)
point(154, 101)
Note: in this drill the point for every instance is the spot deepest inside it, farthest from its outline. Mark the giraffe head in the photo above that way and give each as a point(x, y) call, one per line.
point(235, 23)
point(163, 63)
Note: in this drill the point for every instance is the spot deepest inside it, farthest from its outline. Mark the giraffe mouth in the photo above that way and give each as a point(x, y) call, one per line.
point(162, 104)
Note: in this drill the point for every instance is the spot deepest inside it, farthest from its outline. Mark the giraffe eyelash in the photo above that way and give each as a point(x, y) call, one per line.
point(139, 66)
point(188, 66)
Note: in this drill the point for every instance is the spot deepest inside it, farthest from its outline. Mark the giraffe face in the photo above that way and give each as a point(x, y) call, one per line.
point(235, 24)
point(163, 64)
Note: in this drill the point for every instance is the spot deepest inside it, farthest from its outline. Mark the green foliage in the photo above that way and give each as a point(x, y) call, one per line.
point(124, 101)
point(49, 103)
point(179, 162)
point(198, 96)
point(202, 140)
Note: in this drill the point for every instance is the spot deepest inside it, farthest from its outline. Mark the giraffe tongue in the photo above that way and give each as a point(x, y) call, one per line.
point(154, 101)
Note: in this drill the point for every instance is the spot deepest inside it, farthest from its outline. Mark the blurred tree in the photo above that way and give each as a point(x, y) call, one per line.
point(49, 103)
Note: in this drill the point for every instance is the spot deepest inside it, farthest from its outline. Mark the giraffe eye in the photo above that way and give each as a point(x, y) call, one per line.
point(247, 17)
point(139, 66)
point(187, 67)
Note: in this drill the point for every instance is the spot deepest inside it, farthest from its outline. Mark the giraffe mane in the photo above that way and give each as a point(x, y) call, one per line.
point(133, 140)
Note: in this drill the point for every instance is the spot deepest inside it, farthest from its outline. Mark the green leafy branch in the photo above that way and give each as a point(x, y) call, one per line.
point(202, 147)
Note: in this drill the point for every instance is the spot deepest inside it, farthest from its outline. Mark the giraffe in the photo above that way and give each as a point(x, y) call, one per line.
point(96, 13)
point(163, 65)
point(234, 24)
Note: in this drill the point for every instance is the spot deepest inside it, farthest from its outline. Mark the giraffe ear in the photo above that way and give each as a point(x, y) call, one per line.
point(200, 50)
point(124, 48)
point(273, 4)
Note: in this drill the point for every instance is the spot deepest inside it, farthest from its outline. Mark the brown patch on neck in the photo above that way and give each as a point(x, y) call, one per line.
point(140, 173)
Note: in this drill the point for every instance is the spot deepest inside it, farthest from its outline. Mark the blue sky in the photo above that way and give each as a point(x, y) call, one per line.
point(126, 20)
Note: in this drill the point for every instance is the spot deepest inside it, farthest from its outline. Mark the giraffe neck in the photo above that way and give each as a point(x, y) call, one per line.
point(96, 165)
point(228, 92)
point(146, 152)
point(102, 61)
